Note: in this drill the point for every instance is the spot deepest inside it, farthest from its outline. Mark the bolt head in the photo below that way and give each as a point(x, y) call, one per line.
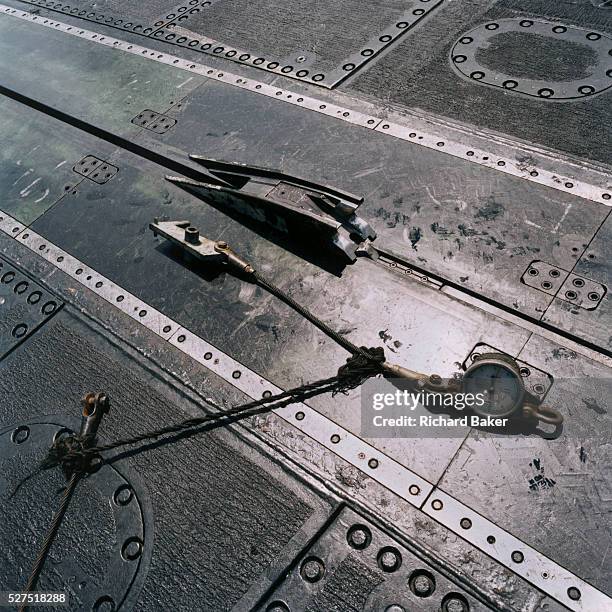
point(454, 604)
point(192, 235)
point(388, 560)
point(422, 585)
point(313, 570)
point(359, 537)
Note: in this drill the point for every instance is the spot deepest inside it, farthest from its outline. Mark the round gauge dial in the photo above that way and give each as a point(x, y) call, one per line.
point(496, 381)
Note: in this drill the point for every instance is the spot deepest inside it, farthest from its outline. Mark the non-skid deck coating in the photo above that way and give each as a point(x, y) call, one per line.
point(416, 61)
point(315, 41)
point(418, 73)
point(326, 31)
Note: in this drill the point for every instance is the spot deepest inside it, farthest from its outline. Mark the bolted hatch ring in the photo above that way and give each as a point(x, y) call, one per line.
point(103, 549)
point(535, 37)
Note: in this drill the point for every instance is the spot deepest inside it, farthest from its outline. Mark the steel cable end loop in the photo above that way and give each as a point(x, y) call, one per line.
point(392, 370)
point(70, 452)
point(363, 365)
point(233, 259)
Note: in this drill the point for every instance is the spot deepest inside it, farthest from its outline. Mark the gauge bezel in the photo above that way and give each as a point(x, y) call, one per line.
point(509, 365)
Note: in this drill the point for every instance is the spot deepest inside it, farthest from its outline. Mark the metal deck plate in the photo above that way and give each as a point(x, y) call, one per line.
point(588, 594)
point(142, 17)
point(421, 203)
point(24, 307)
point(275, 37)
point(504, 156)
point(355, 566)
point(425, 64)
point(124, 84)
point(595, 264)
point(579, 595)
point(465, 223)
point(410, 191)
point(510, 590)
point(261, 325)
point(203, 493)
point(573, 62)
point(554, 495)
point(187, 293)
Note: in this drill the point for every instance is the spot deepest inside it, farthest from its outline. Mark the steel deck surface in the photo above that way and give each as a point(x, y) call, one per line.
point(267, 337)
point(462, 234)
point(421, 73)
point(263, 514)
point(198, 389)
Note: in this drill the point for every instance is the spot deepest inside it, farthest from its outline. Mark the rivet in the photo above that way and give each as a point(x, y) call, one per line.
point(132, 548)
point(422, 583)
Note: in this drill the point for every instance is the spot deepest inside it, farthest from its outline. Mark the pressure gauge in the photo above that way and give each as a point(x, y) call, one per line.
point(496, 382)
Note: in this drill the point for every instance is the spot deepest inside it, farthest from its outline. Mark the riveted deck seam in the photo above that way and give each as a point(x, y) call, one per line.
point(512, 162)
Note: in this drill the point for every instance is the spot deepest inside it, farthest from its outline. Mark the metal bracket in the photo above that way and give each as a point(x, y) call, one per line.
point(184, 235)
point(283, 202)
point(582, 292)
